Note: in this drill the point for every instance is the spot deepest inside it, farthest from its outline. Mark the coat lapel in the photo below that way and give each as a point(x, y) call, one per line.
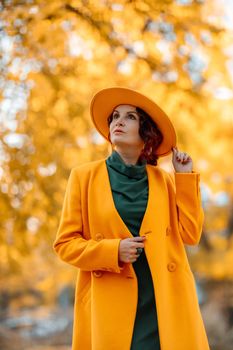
point(108, 205)
point(155, 213)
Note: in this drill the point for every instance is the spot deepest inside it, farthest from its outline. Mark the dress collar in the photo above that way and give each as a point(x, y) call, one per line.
point(137, 171)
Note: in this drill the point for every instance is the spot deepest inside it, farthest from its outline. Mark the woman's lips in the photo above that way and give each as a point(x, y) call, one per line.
point(118, 131)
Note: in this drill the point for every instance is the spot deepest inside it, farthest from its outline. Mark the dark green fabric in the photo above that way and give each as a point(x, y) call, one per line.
point(129, 186)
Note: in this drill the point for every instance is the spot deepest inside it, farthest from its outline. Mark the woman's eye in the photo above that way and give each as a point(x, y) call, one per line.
point(115, 116)
point(132, 116)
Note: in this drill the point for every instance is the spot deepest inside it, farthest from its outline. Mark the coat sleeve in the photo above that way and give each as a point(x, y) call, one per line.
point(70, 244)
point(190, 212)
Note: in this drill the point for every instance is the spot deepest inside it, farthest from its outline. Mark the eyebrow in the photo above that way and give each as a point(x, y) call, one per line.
point(115, 110)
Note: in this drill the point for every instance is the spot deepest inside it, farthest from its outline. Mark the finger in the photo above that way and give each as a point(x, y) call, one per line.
point(174, 152)
point(128, 258)
point(133, 254)
point(178, 155)
point(133, 248)
point(182, 156)
point(186, 158)
point(131, 259)
point(137, 245)
point(138, 239)
point(134, 257)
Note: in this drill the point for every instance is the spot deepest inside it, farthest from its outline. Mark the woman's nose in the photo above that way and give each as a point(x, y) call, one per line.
point(120, 121)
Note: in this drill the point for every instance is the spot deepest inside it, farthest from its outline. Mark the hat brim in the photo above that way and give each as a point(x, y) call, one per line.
point(104, 101)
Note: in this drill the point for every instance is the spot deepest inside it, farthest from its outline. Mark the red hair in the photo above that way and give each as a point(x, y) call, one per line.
point(151, 135)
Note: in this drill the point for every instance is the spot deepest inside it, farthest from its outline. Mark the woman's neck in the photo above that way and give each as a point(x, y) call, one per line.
point(129, 156)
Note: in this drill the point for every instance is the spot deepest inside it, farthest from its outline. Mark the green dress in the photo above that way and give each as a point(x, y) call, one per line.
point(129, 186)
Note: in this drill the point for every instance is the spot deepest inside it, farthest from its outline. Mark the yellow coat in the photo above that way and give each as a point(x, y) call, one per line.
point(106, 295)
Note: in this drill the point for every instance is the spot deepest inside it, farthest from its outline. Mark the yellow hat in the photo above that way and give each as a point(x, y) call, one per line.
point(104, 101)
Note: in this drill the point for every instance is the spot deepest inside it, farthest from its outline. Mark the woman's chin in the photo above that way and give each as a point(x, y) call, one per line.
point(119, 141)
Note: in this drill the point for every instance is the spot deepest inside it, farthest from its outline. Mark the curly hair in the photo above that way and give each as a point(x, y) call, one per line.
point(150, 134)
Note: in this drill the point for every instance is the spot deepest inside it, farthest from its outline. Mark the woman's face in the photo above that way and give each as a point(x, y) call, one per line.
point(124, 128)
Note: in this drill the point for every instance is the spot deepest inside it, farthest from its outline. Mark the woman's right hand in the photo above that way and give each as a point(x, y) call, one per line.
point(128, 249)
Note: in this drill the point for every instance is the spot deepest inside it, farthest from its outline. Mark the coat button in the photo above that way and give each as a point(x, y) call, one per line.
point(99, 236)
point(97, 273)
point(168, 231)
point(171, 266)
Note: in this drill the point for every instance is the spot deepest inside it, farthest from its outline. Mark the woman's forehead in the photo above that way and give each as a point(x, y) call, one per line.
point(125, 107)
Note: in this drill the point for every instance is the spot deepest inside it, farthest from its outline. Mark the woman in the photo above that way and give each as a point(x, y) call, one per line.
point(124, 224)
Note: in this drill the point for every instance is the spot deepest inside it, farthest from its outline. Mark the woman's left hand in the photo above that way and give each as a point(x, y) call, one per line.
point(182, 162)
